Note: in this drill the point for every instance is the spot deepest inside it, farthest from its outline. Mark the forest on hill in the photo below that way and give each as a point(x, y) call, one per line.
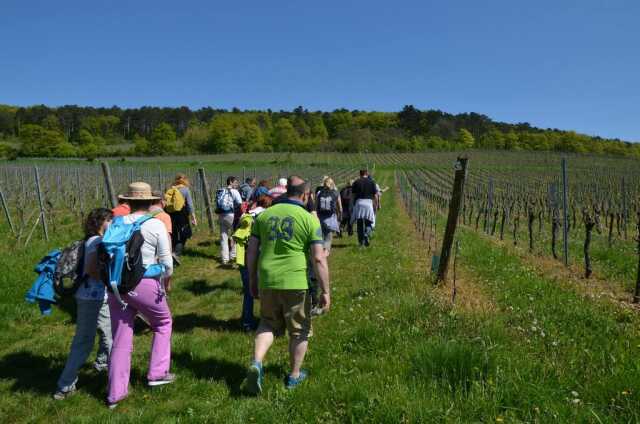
point(78, 131)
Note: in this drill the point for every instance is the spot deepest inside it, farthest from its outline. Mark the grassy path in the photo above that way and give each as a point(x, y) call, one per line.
point(391, 350)
point(358, 356)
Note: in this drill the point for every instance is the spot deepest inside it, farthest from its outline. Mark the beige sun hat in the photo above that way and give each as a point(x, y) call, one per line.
point(139, 191)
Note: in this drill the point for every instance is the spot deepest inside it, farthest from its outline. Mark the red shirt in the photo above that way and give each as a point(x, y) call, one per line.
point(121, 210)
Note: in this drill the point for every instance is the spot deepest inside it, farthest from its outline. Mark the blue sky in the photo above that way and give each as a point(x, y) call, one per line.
point(559, 64)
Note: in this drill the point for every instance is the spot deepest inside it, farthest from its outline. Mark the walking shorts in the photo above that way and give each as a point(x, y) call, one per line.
point(282, 310)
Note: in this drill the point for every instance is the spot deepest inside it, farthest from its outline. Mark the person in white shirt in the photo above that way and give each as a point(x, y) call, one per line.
point(226, 217)
point(147, 298)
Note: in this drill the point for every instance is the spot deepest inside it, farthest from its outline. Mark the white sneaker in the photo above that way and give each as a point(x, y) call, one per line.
point(100, 367)
point(167, 379)
point(62, 395)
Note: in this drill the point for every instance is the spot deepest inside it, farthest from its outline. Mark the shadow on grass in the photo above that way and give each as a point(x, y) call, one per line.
point(191, 253)
point(39, 374)
point(200, 287)
point(205, 243)
point(31, 372)
point(222, 370)
point(187, 322)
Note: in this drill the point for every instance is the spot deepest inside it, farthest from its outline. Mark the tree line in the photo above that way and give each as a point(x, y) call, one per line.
point(70, 131)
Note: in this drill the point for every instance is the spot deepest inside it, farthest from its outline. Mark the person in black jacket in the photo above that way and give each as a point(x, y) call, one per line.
point(345, 199)
point(364, 198)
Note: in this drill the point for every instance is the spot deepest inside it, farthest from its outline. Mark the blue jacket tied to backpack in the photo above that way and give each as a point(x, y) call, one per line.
point(42, 290)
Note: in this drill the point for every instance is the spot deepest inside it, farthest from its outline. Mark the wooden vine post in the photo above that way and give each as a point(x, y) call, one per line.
point(565, 212)
point(589, 223)
point(106, 172)
point(636, 295)
point(43, 214)
point(5, 207)
point(452, 219)
point(205, 195)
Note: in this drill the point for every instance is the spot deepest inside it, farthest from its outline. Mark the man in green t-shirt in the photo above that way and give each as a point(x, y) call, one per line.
point(281, 238)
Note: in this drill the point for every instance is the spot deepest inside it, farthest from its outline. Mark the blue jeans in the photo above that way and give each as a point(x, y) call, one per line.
point(248, 320)
point(93, 316)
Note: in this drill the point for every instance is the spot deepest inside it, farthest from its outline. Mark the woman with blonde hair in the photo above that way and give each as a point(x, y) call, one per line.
point(329, 207)
point(182, 219)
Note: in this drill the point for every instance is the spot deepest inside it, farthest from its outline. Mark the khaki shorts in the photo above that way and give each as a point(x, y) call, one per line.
point(285, 309)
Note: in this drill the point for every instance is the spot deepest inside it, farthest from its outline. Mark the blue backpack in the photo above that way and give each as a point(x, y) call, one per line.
point(120, 257)
point(224, 201)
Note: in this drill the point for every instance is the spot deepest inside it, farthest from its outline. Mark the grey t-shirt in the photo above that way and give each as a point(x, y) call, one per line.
point(91, 289)
point(186, 193)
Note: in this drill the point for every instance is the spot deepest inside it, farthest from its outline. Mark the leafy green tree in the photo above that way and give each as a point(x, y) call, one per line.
point(376, 120)
point(163, 140)
point(339, 122)
point(221, 131)
point(318, 128)
point(196, 137)
point(511, 141)
point(7, 120)
point(105, 126)
point(222, 135)
point(285, 137)
point(416, 144)
point(84, 138)
point(572, 142)
point(89, 151)
point(444, 128)
point(8, 151)
point(39, 141)
point(302, 127)
point(64, 150)
point(465, 138)
point(142, 146)
point(253, 139)
point(51, 122)
point(492, 139)
point(437, 143)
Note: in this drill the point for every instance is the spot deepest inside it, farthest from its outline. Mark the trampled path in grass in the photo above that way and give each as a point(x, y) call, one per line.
point(391, 350)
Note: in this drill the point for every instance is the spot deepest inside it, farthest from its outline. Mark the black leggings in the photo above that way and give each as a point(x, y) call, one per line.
point(364, 231)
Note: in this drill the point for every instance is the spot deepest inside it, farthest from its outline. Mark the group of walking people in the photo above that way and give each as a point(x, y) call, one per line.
point(278, 237)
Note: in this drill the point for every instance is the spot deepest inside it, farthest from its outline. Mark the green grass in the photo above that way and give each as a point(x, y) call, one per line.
point(389, 351)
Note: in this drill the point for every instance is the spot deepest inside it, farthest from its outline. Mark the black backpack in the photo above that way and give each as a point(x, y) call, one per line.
point(345, 195)
point(326, 202)
point(70, 268)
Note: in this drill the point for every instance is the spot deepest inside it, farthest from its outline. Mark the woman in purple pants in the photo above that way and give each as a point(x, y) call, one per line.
point(148, 298)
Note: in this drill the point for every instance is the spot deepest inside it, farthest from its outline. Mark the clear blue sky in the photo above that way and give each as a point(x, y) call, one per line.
point(559, 64)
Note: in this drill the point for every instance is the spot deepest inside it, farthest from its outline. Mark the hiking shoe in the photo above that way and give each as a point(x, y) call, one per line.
point(254, 379)
point(316, 311)
point(100, 367)
point(176, 259)
point(292, 383)
point(62, 395)
point(112, 406)
point(167, 379)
